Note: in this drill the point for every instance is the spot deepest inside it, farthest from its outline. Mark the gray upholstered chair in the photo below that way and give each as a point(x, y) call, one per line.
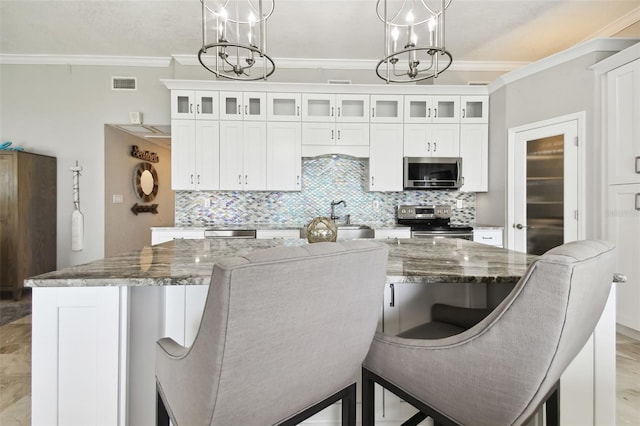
point(503, 369)
point(283, 335)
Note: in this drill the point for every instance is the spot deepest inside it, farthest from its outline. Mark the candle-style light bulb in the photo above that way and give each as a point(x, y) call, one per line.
point(223, 25)
point(431, 24)
point(410, 29)
point(252, 32)
point(395, 33)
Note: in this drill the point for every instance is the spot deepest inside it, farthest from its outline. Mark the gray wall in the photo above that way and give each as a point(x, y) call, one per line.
point(123, 230)
point(564, 89)
point(61, 110)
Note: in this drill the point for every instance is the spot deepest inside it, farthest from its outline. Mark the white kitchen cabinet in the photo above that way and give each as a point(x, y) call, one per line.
point(474, 109)
point(474, 151)
point(344, 134)
point(386, 108)
point(431, 109)
point(488, 235)
point(284, 156)
point(624, 232)
point(163, 234)
point(243, 155)
point(623, 126)
point(194, 104)
point(195, 153)
point(284, 106)
point(247, 106)
point(385, 158)
point(398, 232)
point(432, 140)
point(330, 108)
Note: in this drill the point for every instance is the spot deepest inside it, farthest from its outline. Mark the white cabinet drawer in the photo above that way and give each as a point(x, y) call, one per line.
point(492, 237)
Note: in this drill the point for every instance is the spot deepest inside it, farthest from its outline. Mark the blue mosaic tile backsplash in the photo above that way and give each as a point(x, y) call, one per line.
point(324, 179)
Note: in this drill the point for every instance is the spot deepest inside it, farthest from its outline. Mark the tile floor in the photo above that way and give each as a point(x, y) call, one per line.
point(15, 375)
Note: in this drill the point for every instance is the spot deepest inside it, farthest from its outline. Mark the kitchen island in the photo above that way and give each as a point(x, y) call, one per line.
point(95, 325)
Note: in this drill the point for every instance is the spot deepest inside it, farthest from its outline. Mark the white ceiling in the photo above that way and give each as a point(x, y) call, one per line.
point(478, 31)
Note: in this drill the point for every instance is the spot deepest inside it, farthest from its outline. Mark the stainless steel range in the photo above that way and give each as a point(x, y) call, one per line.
point(432, 222)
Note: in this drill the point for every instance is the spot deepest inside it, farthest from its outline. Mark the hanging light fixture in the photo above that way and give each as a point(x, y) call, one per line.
point(414, 46)
point(234, 38)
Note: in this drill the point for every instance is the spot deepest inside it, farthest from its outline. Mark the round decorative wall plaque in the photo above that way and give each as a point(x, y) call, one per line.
point(145, 182)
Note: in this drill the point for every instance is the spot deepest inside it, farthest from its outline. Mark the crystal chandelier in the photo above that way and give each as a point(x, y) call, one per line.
point(413, 40)
point(234, 38)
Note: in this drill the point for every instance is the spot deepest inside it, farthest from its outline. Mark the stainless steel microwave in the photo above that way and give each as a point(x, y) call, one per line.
point(432, 172)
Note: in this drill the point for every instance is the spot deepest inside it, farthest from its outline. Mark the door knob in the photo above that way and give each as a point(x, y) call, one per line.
point(519, 226)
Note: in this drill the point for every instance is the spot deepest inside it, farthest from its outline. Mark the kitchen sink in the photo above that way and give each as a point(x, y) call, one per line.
point(347, 232)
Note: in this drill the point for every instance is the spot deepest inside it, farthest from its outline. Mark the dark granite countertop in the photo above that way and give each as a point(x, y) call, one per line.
point(181, 262)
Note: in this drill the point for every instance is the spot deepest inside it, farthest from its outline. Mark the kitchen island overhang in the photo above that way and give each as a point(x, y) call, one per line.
point(95, 325)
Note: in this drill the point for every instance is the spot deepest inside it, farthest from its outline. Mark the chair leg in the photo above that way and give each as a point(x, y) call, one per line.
point(368, 398)
point(349, 407)
point(552, 408)
point(162, 415)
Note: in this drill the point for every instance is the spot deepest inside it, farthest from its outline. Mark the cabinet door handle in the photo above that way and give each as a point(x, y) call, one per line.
point(239, 109)
point(332, 135)
point(373, 112)
point(246, 179)
point(239, 179)
point(638, 164)
point(428, 112)
point(191, 177)
point(371, 180)
point(298, 180)
point(392, 301)
point(298, 110)
point(638, 201)
point(331, 111)
point(190, 108)
point(338, 134)
point(198, 179)
point(198, 109)
point(464, 112)
point(339, 114)
point(434, 147)
point(428, 146)
point(435, 113)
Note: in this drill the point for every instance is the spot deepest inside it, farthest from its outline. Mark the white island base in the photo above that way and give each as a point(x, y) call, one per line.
point(94, 348)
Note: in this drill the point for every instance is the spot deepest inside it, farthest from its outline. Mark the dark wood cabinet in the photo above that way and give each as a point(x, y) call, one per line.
point(27, 218)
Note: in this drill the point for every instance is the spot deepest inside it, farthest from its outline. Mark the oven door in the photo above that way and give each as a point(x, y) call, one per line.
point(465, 235)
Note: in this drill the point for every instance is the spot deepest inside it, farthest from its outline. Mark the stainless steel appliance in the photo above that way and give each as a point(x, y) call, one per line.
point(229, 232)
point(433, 221)
point(432, 172)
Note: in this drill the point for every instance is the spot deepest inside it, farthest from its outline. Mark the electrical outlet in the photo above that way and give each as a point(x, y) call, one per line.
point(376, 205)
point(117, 199)
point(459, 204)
point(206, 203)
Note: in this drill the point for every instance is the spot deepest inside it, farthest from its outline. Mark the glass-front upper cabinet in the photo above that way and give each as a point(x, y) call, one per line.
point(243, 106)
point(190, 104)
point(474, 109)
point(321, 107)
point(431, 109)
point(386, 108)
point(284, 106)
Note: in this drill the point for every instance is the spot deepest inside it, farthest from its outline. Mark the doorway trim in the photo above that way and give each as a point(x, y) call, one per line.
point(580, 118)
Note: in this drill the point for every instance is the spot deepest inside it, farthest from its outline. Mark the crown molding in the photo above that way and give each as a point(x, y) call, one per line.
point(125, 61)
point(364, 64)
point(585, 48)
point(618, 25)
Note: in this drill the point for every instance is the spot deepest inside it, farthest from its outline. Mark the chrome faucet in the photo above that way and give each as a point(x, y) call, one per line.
point(333, 208)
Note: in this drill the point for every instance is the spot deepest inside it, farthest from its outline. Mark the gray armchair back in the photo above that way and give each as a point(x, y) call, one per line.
point(282, 329)
point(501, 370)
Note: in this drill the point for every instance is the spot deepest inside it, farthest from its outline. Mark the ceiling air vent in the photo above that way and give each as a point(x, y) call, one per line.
point(123, 83)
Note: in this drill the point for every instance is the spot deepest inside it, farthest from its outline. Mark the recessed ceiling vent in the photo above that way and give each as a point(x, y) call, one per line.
point(124, 83)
